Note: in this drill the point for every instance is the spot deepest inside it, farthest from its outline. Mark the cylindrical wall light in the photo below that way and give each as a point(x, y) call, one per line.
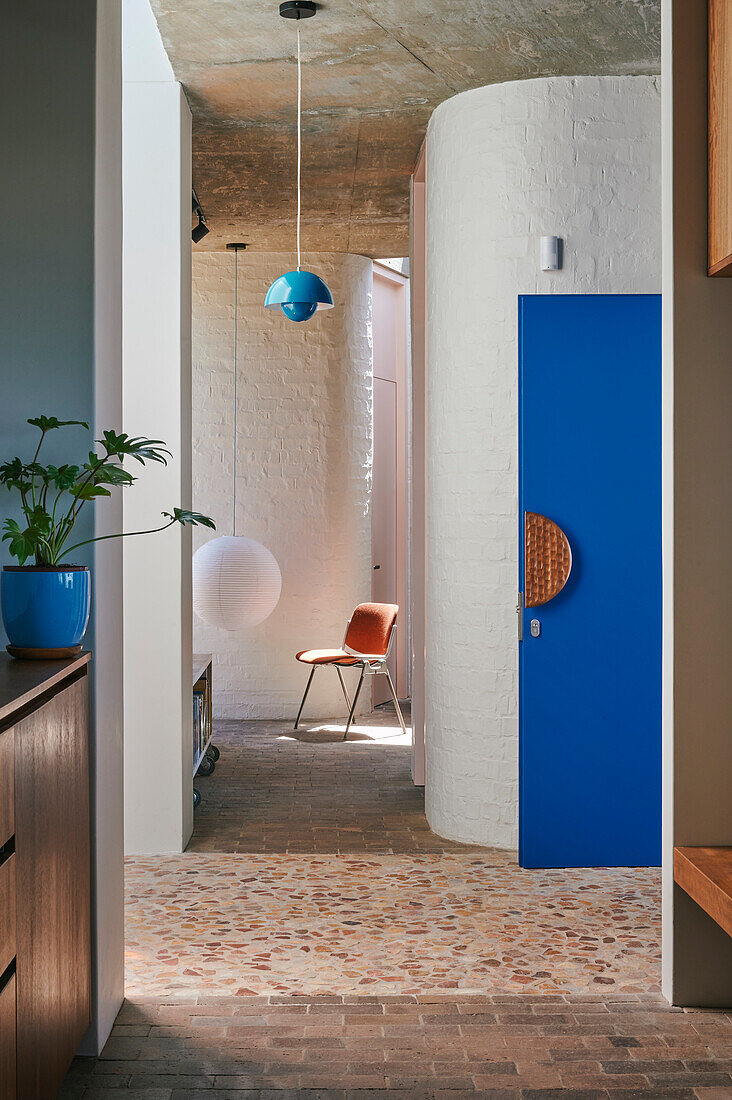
point(551, 253)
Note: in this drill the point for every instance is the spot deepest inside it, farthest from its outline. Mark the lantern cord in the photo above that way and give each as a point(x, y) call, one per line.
point(299, 139)
point(236, 315)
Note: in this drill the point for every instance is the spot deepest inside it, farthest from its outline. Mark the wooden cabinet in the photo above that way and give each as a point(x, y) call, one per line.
point(720, 137)
point(45, 936)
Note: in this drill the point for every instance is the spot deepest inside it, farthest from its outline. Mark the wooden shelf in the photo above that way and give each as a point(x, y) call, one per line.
point(705, 874)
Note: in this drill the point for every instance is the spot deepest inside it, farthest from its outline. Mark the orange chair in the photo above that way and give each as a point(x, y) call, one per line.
point(367, 643)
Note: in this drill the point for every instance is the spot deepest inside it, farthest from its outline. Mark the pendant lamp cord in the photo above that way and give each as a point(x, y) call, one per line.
point(299, 139)
point(236, 314)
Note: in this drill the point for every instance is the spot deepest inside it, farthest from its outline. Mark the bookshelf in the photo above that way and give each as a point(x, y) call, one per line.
point(205, 753)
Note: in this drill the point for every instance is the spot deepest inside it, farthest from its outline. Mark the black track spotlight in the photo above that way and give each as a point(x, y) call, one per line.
point(200, 231)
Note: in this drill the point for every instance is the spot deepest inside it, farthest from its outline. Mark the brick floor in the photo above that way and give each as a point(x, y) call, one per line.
point(512, 1047)
point(274, 797)
point(280, 790)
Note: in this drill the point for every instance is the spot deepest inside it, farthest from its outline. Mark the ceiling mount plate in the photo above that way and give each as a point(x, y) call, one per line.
point(298, 9)
point(236, 247)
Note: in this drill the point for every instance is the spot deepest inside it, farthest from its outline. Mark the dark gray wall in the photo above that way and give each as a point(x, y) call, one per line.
point(47, 85)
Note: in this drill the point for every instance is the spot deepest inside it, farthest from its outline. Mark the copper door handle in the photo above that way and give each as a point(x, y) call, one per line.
point(547, 559)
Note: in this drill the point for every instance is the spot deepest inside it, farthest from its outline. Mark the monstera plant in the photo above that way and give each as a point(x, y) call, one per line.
point(45, 602)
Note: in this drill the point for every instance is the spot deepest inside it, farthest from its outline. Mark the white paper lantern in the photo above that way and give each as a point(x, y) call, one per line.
point(236, 582)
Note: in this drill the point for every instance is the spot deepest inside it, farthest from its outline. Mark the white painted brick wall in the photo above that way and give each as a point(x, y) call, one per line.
point(303, 468)
point(578, 158)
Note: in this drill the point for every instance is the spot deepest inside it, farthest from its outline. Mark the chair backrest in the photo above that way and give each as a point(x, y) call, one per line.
point(370, 629)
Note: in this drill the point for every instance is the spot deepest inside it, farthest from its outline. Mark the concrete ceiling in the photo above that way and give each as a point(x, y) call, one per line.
point(374, 71)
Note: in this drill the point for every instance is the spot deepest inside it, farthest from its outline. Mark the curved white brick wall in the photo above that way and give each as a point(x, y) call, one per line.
point(578, 158)
point(303, 468)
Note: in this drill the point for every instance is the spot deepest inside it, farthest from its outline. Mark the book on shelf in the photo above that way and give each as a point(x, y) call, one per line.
point(200, 723)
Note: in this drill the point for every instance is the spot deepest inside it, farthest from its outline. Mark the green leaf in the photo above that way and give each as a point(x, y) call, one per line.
point(88, 490)
point(12, 473)
point(137, 447)
point(22, 544)
point(39, 520)
point(63, 477)
point(195, 519)
point(18, 475)
point(112, 475)
point(48, 423)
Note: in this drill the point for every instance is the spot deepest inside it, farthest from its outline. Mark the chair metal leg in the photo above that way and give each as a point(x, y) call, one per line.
point(343, 686)
point(307, 689)
point(396, 701)
point(355, 700)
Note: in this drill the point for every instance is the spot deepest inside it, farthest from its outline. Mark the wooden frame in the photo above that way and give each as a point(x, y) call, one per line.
point(720, 137)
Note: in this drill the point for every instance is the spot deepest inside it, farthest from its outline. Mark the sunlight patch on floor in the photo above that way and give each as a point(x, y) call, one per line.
point(358, 734)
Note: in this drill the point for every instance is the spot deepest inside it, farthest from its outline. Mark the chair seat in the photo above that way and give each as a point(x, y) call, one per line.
point(326, 657)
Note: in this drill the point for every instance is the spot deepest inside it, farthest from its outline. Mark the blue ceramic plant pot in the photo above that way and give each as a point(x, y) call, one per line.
point(45, 606)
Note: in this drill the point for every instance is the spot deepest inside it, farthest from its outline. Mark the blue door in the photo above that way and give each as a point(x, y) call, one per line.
point(590, 657)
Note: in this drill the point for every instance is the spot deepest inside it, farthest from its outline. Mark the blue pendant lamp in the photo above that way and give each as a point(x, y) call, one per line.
point(298, 293)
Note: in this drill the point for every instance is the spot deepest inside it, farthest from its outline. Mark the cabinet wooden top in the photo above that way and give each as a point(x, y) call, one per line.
point(21, 682)
point(201, 661)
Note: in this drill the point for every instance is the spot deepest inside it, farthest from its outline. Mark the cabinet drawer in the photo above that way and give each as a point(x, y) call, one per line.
point(7, 913)
point(7, 785)
point(7, 1041)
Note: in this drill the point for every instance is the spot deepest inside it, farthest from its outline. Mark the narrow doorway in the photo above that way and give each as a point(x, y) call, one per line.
point(390, 323)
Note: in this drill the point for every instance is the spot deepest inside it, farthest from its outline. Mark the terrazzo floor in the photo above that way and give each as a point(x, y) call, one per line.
point(317, 940)
point(263, 924)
